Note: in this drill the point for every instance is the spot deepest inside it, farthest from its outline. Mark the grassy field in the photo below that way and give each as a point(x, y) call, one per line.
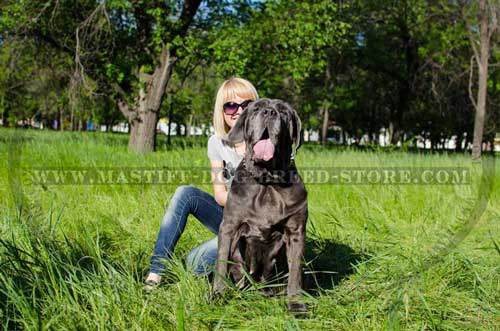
point(384, 257)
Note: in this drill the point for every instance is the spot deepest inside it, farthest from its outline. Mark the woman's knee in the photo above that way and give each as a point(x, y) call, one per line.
point(176, 207)
point(202, 259)
point(184, 192)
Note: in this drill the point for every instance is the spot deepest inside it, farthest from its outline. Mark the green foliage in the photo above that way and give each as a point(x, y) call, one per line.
point(113, 73)
point(76, 256)
point(373, 64)
point(284, 40)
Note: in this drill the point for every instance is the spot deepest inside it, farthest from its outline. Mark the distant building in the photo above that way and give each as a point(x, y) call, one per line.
point(162, 127)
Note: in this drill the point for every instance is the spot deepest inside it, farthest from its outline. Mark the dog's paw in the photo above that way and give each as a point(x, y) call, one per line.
point(215, 295)
point(218, 289)
point(296, 307)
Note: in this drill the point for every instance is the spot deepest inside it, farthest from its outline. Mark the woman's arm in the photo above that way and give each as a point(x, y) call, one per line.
point(220, 190)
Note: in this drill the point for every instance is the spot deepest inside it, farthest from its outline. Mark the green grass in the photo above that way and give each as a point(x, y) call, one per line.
point(74, 257)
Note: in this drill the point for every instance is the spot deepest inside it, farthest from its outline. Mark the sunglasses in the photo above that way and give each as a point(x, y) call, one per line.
point(231, 108)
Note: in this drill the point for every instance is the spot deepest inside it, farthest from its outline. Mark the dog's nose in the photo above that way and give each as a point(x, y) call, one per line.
point(269, 112)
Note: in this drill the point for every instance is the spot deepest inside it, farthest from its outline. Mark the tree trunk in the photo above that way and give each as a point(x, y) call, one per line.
point(72, 119)
point(324, 126)
point(482, 59)
point(460, 138)
point(170, 114)
point(143, 116)
point(61, 119)
point(4, 113)
point(391, 132)
point(188, 125)
point(143, 133)
point(480, 109)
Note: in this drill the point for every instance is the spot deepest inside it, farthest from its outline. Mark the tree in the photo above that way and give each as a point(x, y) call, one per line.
point(129, 47)
point(281, 44)
point(158, 36)
point(442, 108)
point(480, 37)
point(389, 37)
point(32, 82)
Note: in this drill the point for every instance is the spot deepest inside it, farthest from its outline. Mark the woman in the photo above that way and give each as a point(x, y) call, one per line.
point(233, 97)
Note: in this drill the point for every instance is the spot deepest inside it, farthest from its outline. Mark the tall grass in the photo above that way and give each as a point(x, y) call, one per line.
point(74, 257)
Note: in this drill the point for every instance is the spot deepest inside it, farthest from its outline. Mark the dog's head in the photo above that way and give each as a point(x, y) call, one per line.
point(271, 130)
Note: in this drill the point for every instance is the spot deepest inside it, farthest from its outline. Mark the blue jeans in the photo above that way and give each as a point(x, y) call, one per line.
point(188, 200)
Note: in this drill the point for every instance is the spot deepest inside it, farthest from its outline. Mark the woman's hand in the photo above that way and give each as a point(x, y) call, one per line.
point(218, 181)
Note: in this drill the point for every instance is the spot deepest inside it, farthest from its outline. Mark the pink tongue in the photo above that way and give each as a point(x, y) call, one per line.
point(264, 149)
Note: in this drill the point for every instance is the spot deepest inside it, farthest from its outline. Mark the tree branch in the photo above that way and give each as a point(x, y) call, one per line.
point(160, 78)
point(471, 75)
point(469, 34)
point(38, 34)
point(189, 9)
point(143, 23)
point(493, 23)
point(125, 109)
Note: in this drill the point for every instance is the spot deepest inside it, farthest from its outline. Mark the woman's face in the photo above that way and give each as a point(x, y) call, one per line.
point(231, 119)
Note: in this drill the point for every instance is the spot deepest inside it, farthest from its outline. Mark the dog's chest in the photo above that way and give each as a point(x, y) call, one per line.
point(270, 210)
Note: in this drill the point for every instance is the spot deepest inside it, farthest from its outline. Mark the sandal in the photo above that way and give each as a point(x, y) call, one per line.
point(150, 286)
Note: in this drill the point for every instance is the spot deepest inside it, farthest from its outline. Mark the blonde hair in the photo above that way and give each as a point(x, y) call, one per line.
point(231, 88)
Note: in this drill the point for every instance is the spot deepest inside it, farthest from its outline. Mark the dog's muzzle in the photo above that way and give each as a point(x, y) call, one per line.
point(264, 148)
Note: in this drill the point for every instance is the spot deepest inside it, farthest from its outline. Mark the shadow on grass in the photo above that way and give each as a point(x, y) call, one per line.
point(328, 263)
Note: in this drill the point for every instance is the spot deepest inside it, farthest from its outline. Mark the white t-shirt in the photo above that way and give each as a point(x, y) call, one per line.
point(221, 150)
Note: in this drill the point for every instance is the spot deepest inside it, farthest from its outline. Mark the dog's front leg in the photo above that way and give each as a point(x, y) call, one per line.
point(226, 234)
point(295, 251)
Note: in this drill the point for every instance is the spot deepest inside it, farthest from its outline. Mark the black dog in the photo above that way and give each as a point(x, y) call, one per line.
point(265, 216)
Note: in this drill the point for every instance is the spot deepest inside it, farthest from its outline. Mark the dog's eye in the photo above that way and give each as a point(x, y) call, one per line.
point(283, 116)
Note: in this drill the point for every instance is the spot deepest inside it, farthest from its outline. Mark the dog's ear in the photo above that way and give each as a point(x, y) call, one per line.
point(237, 133)
point(295, 129)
